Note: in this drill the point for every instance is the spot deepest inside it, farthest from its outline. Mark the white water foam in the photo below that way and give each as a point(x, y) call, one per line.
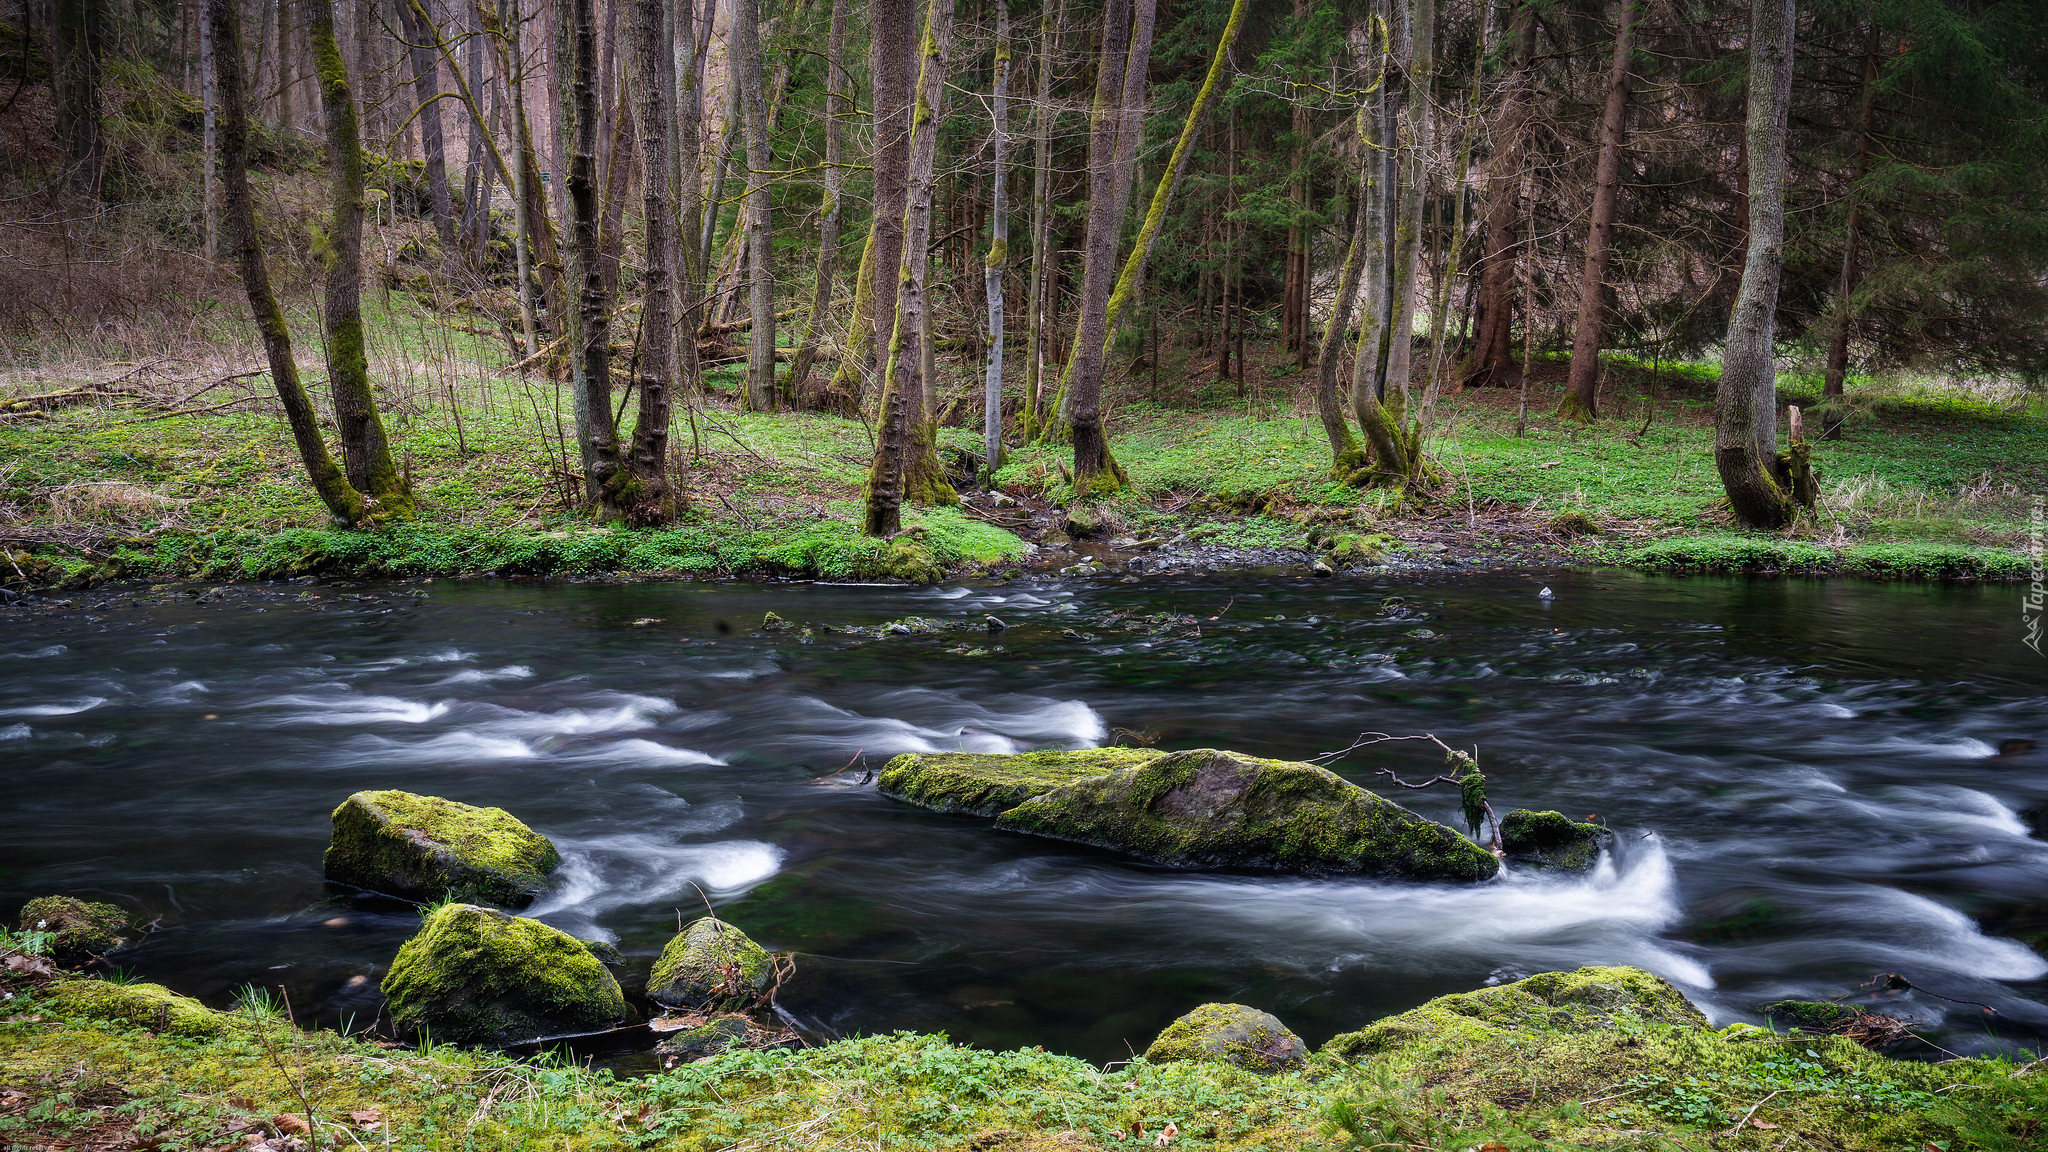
point(599, 875)
point(487, 675)
point(633, 712)
point(352, 709)
point(43, 653)
point(15, 732)
point(449, 747)
point(59, 708)
point(647, 752)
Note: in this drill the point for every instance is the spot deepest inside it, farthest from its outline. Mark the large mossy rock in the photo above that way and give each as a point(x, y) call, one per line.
point(148, 1006)
point(475, 975)
point(1550, 840)
point(1210, 809)
point(78, 930)
point(711, 965)
point(986, 784)
point(425, 848)
point(1233, 1034)
point(1581, 1001)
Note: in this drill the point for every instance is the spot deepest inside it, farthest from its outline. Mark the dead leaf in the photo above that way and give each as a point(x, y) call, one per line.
point(368, 1117)
point(1766, 1125)
point(1166, 1134)
point(291, 1122)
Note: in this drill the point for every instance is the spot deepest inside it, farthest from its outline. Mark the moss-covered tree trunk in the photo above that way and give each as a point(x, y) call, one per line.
point(902, 438)
point(1051, 29)
point(838, 107)
point(998, 248)
point(1745, 401)
point(1582, 391)
point(343, 502)
point(366, 451)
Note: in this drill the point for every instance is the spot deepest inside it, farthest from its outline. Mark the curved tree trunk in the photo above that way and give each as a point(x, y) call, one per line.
point(343, 502)
point(366, 452)
point(1745, 402)
point(1582, 392)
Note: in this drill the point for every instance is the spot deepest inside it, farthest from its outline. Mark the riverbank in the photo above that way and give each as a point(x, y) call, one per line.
point(139, 481)
point(1600, 1058)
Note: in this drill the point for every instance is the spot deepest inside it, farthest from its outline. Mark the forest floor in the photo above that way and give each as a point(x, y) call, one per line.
point(179, 465)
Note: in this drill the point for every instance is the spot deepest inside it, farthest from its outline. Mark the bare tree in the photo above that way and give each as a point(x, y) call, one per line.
point(80, 40)
point(642, 491)
point(999, 245)
point(1051, 30)
point(426, 87)
point(344, 503)
point(1581, 398)
point(586, 326)
point(837, 109)
point(1493, 360)
point(366, 452)
point(746, 73)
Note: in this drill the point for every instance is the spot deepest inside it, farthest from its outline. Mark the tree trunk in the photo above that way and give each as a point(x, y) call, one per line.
point(287, 62)
point(1051, 29)
point(343, 502)
point(760, 390)
point(895, 474)
point(1581, 399)
point(426, 87)
point(688, 166)
point(892, 38)
point(80, 62)
point(837, 108)
point(1112, 154)
point(998, 247)
point(366, 453)
point(209, 153)
point(1493, 361)
point(1295, 287)
point(1745, 403)
point(587, 325)
point(1843, 314)
point(641, 490)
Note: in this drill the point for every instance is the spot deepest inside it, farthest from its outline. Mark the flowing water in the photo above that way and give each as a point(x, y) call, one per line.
point(1805, 778)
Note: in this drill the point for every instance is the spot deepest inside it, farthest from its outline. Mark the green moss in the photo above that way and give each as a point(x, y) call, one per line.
point(79, 930)
point(1206, 808)
point(425, 848)
point(711, 964)
point(475, 975)
point(984, 784)
point(1813, 1015)
point(707, 1039)
point(1587, 999)
point(1550, 840)
point(150, 1006)
point(1231, 1033)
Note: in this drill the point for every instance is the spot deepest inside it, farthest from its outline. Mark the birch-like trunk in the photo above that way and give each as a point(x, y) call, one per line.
point(837, 109)
point(1051, 29)
point(746, 47)
point(998, 247)
point(1745, 401)
point(1582, 392)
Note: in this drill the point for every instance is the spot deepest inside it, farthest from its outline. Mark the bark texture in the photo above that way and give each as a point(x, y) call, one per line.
point(1582, 391)
point(837, 108)
point(643, 494)
point(746, 44)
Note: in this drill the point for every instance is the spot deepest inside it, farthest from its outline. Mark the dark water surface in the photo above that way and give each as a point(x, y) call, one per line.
point(1804, 776)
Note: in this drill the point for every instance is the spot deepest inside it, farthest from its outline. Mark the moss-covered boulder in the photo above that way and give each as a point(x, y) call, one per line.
point(1550, 840)
point(1210, 809)
point(1233, 1034)
point(985, 784)
point(150, 1006)
point(426, 848)
point(711, 964)
point(1580, 1001)
point(1812, 1015)
point(475, 975)
point(715, 1035)
point(78, 930)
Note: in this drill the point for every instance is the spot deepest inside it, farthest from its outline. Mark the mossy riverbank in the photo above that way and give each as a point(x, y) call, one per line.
point(1599, 1058)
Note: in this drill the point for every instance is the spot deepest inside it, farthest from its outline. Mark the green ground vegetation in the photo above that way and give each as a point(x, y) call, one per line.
point(1543, 1071)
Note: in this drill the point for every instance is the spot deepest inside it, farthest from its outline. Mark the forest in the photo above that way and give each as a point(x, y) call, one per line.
point(1329, 271)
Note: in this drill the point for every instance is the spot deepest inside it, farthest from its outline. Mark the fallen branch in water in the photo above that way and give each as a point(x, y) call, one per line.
point(1470, 782)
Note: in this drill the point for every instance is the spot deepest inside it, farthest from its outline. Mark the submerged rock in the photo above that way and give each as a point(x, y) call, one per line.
point(1580, 1001)
point(711, 964)
point(1812, 1015)
point(1232, 1034)
point(1550, 840)
point(78, 930)
point(1210, 809)
point(476, 975)
point(985, 784)
point(715, 1035)
point(426, 848)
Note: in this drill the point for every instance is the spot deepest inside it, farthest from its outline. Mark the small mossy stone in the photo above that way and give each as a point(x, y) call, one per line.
point(710, 964)
point(773, 622)
point(984, 784)
point(1812, 1015)
point(1211, 809)
point(427, 848)
point(707, 1039)
point(148, 1006)
point(475, 975)
point(1550, 840)
point(1232, 1034)
point(79, 930)
point(1558, 1002)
